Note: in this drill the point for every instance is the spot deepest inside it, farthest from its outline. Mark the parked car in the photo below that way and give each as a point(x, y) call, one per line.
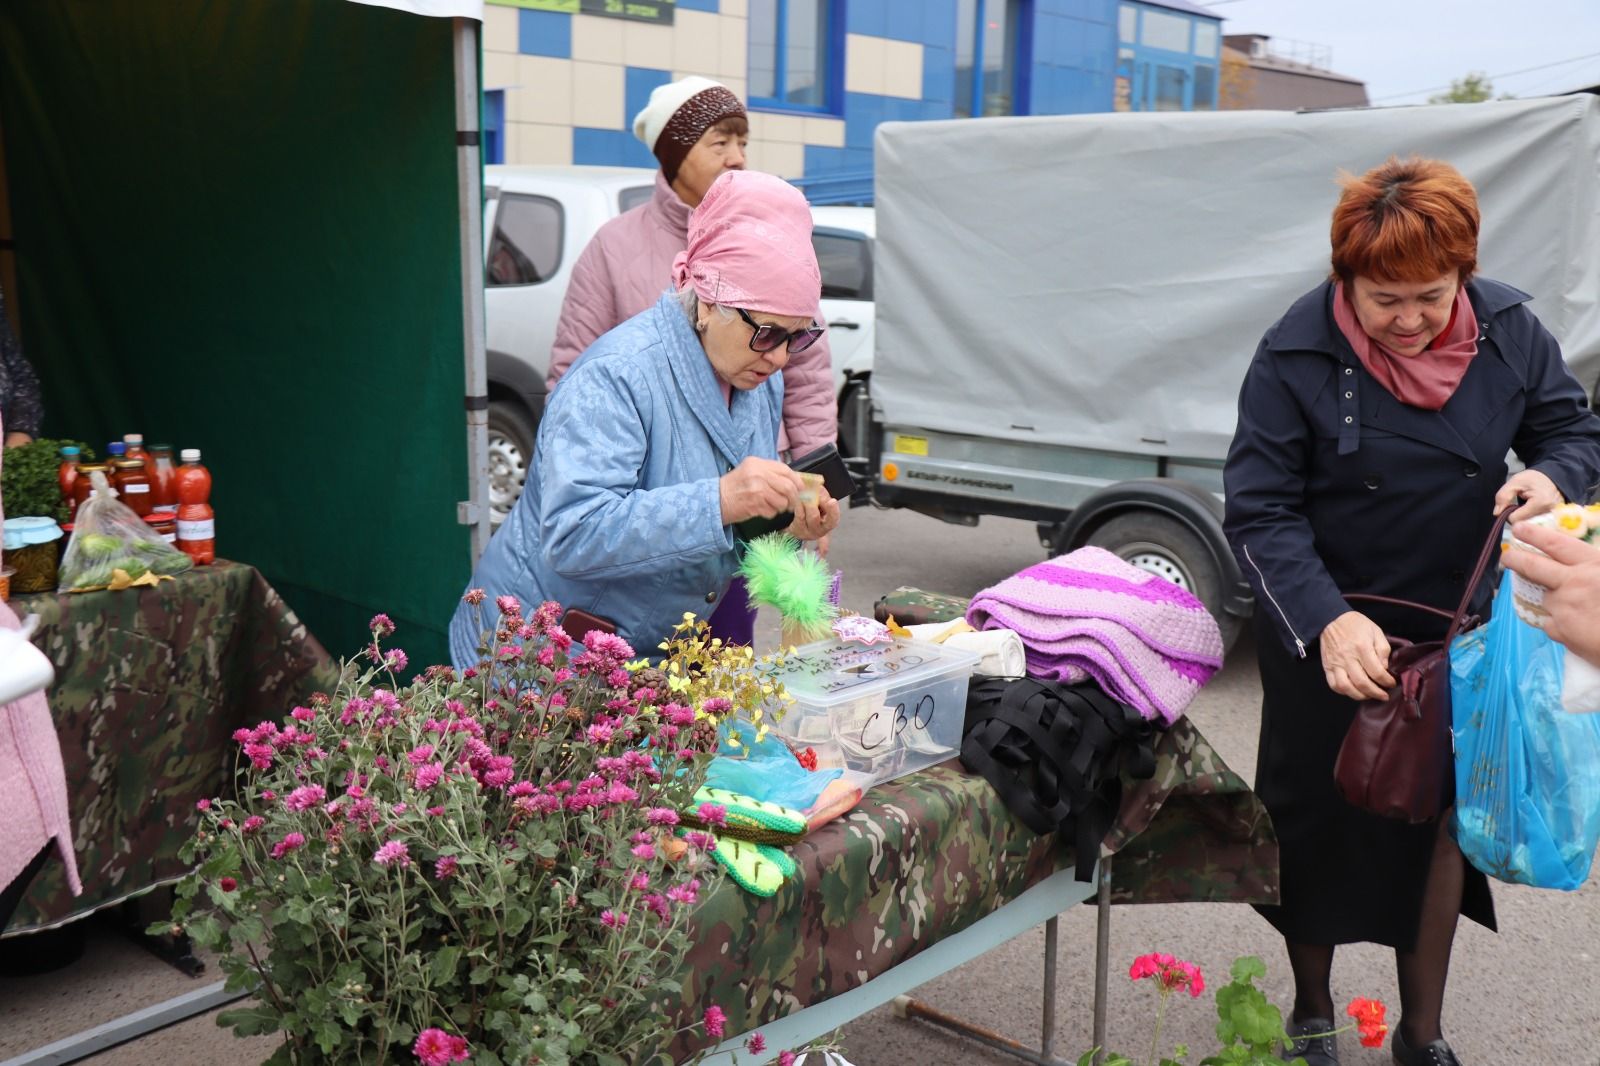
point(539, 219)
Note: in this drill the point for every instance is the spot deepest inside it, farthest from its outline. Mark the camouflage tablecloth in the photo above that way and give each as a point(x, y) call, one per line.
point(150, 685)
point(926, 856)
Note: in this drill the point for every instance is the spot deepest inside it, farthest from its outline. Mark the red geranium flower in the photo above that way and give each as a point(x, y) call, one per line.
point(1368, 1014)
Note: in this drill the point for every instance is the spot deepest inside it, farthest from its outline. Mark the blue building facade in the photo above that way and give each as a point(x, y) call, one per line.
point(819, 76)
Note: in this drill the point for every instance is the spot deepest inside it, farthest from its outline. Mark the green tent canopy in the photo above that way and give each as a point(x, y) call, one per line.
point(254, 227)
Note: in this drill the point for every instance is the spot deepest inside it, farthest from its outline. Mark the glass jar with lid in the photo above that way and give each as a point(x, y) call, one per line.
point(133, 485)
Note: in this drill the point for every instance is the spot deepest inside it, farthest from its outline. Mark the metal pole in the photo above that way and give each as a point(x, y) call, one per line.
point(906, 1007)
point(1102, 954)
point(1047, 1035)
point(469, 202)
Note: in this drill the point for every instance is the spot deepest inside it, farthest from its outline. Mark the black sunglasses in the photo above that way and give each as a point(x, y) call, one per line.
point(766, 338)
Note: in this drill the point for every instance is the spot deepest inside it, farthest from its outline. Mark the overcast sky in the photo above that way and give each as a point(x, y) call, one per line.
point(1407, 49)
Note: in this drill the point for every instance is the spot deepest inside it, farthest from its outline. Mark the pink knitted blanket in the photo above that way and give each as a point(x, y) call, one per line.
point(1088, 615)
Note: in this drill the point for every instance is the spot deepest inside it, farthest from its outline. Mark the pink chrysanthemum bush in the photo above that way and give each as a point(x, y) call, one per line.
point(480, 868)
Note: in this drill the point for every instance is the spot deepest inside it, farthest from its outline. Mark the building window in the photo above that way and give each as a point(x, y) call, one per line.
point(991, 29)
point(1205, 40)
point(1160, 30)
point(526, 246)
point(1169, 88)
point(1205, 87)
point(494, 126)
point(1127, 24)
point(793, 53)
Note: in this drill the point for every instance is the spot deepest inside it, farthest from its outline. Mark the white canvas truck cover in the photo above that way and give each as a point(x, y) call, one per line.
point(1102, 281)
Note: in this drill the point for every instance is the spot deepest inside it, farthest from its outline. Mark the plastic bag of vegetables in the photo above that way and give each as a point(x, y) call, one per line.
point(111, 547)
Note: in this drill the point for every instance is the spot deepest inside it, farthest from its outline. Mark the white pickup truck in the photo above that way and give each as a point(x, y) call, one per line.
point(539, 219)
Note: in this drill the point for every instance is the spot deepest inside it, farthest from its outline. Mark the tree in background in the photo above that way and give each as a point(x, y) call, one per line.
point(1472, 89)
point(1237, 83)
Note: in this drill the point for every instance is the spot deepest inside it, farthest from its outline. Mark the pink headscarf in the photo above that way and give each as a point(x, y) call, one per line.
point(750, 247)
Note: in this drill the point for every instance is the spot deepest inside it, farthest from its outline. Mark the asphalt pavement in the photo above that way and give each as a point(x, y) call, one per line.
point(1527, 995)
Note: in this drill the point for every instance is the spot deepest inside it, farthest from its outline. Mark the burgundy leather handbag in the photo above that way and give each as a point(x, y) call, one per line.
point(1396, 758)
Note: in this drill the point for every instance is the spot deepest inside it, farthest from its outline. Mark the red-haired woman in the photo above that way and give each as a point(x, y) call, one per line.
point(1370, 457)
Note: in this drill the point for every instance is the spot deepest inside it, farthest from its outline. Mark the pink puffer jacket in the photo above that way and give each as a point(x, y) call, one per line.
point(624, 271)
point(33, 785)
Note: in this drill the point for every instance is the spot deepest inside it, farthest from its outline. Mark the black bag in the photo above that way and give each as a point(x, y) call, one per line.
point(1056, 754)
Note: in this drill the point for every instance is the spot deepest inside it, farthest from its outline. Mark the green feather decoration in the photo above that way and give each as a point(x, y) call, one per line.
point(795, 581)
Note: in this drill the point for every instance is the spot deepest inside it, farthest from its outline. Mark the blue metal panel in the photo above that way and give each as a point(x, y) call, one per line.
point(939, 75)
point(639, 83)
point(939, 23)
point(699, 5)
point(862, 113)
point(544, 33)
point(906, 20)
point(610, 148)
point(869, 17)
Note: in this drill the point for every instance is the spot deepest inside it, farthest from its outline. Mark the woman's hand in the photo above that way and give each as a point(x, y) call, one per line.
point(1539, 492)
point(758, 488)
point(1355, 657)
point(814, 521)
point(17, 440)
point(1570, 572)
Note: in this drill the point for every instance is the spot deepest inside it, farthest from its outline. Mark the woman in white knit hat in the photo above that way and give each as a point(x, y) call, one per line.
point(697, 129)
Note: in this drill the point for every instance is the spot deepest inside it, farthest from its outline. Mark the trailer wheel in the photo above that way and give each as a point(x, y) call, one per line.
point(1167, 548)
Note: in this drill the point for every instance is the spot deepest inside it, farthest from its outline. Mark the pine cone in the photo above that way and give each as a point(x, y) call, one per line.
point(703, 735)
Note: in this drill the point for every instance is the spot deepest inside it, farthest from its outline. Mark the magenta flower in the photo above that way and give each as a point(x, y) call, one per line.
point(381, 625)
point(202, 805)
point(395, 659)
point(475, 596)
point(428, 776)
point(715, 1021)
point(306, 797)
point(713, 814)
point(785, 1058)
point(445, 867)
point(685, 893)
point(252, 823)
point(508, 606)
point(662, 816)
point(420, 754)
point(640, 881)
point(393, 853)
point(291, 842)
point(613, 919)
point(302, 714)
point(435, 1047)
point(756, 1044)
point(702, 841)
point(644, 851)
point(600, 734)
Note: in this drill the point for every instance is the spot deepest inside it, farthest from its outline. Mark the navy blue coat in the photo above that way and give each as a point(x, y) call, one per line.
point(1334, 486)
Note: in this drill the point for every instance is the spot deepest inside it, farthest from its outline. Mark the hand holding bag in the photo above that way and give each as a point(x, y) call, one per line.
point(1395, 759)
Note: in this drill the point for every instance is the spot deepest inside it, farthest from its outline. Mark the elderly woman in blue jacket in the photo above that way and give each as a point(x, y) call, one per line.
point(662, 437)
point(1370, 457)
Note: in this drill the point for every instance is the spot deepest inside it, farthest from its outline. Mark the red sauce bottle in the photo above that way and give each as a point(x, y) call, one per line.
point(67, 474)
point(197, 529)
point(163, 477)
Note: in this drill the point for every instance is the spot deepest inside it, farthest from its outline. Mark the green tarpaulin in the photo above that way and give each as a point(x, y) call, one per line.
point(237, 229)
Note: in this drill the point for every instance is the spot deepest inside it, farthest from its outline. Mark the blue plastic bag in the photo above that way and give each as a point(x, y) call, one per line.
point(1527, 771)
point(765, 770)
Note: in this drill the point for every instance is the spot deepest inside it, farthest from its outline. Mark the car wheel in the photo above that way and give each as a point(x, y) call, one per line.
point(512, 432)
point(1167, 548)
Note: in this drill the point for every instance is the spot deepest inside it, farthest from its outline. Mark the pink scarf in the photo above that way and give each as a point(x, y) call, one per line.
point(750, 247)
point(1427, 379)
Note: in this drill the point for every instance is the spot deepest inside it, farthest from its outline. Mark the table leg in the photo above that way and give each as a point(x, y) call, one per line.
point(1102, 953)
point(1047, 1036)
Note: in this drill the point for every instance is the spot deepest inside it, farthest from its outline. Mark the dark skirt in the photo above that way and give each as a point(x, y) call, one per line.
point(1346, 875)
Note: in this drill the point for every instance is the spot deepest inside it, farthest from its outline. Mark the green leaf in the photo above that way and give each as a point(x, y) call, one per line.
point(249, 1021)
point(1247, 968)
point(444, 965)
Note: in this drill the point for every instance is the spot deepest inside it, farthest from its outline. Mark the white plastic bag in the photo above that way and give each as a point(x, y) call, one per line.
point(108, 539)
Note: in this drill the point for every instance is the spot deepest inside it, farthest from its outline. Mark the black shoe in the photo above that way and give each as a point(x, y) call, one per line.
point(1437, 1053)
point(1316, 1050)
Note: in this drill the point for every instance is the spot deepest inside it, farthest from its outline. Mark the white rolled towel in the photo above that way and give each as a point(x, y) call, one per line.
point(1002, 650)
